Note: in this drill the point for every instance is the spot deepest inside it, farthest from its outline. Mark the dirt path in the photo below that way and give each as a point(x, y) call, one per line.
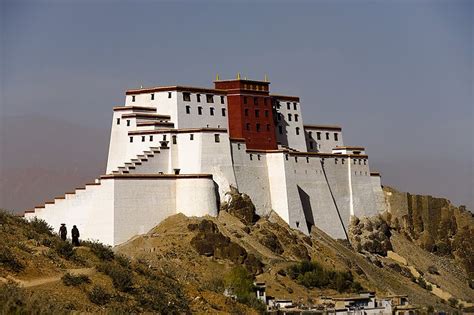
point(45, 280)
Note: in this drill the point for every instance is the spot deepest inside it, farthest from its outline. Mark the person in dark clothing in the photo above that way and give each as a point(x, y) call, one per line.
point(75, 236)
point(63, 231)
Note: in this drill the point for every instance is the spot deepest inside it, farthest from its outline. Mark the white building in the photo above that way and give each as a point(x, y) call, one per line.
point(179, 149)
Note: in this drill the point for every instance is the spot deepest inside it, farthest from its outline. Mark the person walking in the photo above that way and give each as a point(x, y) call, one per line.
point(63, 231)
point(75, 235)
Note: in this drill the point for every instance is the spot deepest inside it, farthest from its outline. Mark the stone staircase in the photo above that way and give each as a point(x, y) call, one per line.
point(139, 161)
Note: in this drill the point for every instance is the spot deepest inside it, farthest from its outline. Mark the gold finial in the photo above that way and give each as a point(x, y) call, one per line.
point(141, 86)
point(217, 76)
point(245, 78)
point(238, 75)
point(266, 78)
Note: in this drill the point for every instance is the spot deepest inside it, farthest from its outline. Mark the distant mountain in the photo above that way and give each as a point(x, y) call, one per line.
point(42, 157)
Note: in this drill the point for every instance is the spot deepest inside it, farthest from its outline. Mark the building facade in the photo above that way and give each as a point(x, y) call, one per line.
point(179, 149)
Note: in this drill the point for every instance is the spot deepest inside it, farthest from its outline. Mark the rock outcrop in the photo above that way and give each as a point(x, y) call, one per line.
point(240, 206)
point(370, 235)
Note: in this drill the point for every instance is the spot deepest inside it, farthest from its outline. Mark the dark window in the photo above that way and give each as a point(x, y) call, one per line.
point(258, 157)
point(152, 96)
point(186, 97)
point(209, 98)
point(286, 157)
point(289, 117)
point(268, 127)
point(211, 111)
point(251, 157)
point(143, 138)
point(365, 162)
point(257, 113)
point(342, 161)
point(310, 134)
point(359, 161)
point(169, 94)
point(128, 122)
point(297, 130)
point(217, 138)
point(188, 109)
point(266, 113)
point(151, 138)
point(245, 100)
point(247, 126)
point(311, 145)
point(164, 137)
point(307, 159)
point(223, 112)
point(222, 99)
point(327, 135)
point(191, 136)
point(258, 127)
point(246, 112)
point(355, 162)
point(280, 116)
point(133, 98)
point(288, 106)
point(335, 161)
point(238, 146)
point(318, 135)
point(296, 160)
point(198, 97)
point(118, 121)
point(255, 100)
point(278, 105)
point(294, 106)
point(296, 117)
point(173, 138)
point(280, 129)
point(131, 139)
point(336, 136)
point(199, 110)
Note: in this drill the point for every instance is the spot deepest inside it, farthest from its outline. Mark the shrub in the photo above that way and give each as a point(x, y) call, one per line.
point(103, 252)
point(422, 283)
point(122, 278)
point(214, 284)
point(123, 261)
point(9, 260)
point(98, 295)
point(433, 270)
point(72, 280)
point(240, 282)
point(64, 249)
point(452, 302)
point(41, 227)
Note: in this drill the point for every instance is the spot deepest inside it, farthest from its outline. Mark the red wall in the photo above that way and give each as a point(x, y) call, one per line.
point(237, 91)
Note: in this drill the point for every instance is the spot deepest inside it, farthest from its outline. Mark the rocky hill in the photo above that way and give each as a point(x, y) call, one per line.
point(185, 264)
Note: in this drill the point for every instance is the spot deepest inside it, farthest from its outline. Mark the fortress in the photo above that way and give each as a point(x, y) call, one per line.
point(179, 149)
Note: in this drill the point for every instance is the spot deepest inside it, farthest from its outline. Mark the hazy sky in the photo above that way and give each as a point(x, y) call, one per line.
point(396, 75)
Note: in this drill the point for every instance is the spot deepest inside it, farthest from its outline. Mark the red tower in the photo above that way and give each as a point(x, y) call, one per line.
point(250, 112)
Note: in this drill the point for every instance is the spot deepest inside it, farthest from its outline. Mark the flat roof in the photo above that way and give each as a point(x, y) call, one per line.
point(142, 108)
point(179, 88)
point(244, 80)
point(188, 130)
point(154, 176)
point(286, 97)
point(323, 127)
point(348, 148)
point(145, 115)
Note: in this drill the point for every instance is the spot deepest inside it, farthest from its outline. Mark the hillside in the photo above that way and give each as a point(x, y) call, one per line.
point(184, 264)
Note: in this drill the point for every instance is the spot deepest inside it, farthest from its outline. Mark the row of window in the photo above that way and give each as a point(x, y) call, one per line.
point(255, 100)
point(256, 87)
point(257, 113)
point(318, 135)
point(211, 110)
point(290, 116)
point(257, 127)
point(174, 139)
point(280, 130)
point(209, 98)
point(288, 106)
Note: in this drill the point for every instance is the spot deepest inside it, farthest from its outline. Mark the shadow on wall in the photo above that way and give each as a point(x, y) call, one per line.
point(307, 210)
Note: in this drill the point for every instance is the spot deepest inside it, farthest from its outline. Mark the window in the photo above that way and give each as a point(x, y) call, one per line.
point(222, 99)
point(280, 130)
point(186, 96)
point(342, 161)
point(257, 113)
point(118, 121)
point(152, 96)
point(133, 98)
point(151, 138)
point(268, 127)
point(318, 135)
point(288, 106)
point(296, 117)
point(278, 105)
point(311, 145)
point(246, 111)
point(289, 117)
point(191, 136)
point(258, 127)
point(359, 161)
point(279, 116)
point(310, 134)
point(209, 98)
point(169, 94)
point(296, 159)
point(223, 112)
point(258, 157)
point(355, 162)
point(211, 111)
point(173, 139)
point(297, 131)
point(286, 157)
point(327, 135)
point(131, 139)
point(188, 109)
point(247, 126)
point(336, 136)
point(335, 161)
point(143, 138)
point(238, 146)
point(266, 113)
point(217, 138)
point(294, 106)
point(128, 123)
point(199, 110)
point(365, 162)
point(198, 98)
point(255, 100)
point(245, 99)
point(164, 137)
point(251, 157)
point(307, 159)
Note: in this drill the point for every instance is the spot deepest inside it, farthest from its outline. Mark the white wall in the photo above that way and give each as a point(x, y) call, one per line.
point(193, 119)
point(322, 145)
point(289, 137)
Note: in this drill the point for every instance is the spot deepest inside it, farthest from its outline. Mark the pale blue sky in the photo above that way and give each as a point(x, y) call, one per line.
point(396, 75)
